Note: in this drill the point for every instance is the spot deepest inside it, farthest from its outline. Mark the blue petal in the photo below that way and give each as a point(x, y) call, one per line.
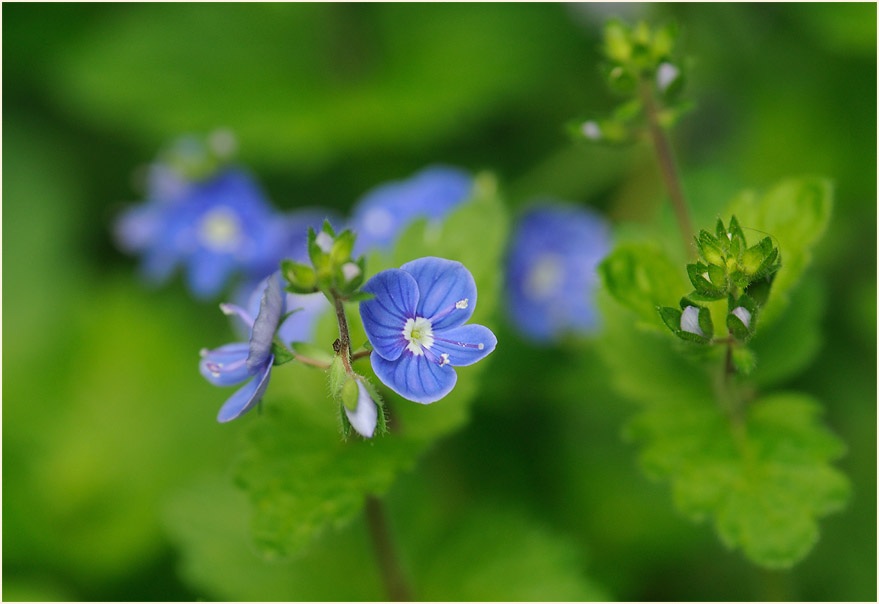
point(447, 291)
point(300, 326)
point(416, 378)
point(385, 315)
point(246, 397)
point(207, 272)
point(225, 366)
point(270, 310)
point(465, 345)
point(365, 415)
point(551, 272)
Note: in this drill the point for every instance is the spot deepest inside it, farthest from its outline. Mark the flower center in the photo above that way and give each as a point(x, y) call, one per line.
point(220, 230)
point(419, 333)
point(545, 277)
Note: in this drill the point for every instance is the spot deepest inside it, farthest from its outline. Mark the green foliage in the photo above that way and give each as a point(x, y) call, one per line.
point(764, 482)
point(299, 476)
point(641, 277)
point(759, 469)
point(795, 213)
point(494, 553)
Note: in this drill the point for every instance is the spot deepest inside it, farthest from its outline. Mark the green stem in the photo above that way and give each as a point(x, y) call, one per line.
point(360, 355)
point(667, 167)
point(392, 575)
point(344, 337)
point(309, 361)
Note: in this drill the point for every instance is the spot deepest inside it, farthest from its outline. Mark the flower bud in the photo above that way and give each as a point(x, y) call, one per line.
point(364, 415)
point(744, 315)
point(690, 321)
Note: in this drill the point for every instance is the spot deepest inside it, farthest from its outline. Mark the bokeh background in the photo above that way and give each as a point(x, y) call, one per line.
point(110, 449)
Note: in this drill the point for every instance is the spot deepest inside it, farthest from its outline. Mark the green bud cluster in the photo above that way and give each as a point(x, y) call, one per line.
point(198, 158)
point(638, 60)
point(727, 270)
point(332, 268)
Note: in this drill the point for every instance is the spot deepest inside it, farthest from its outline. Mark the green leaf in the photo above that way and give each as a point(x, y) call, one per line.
point(301, 478)
point(209, 523)
point(495, 554)
point(795, 213)
point(786, 347)
point(282, 353)
point(641, 278)
point(763, 482)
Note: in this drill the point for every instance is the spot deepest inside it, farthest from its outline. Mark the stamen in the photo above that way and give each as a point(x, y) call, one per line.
point(444, 359)
point(459, 305)
point(233, 309)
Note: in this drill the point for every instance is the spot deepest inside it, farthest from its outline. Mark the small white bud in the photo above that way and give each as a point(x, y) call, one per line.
point(591, 130)
point(350, 271)
point(666, 75)
point(690, 321)
point(324, 241)
point(744, 315)
point(365, 415)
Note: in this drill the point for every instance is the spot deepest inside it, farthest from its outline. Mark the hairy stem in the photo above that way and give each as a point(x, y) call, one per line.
point(344, 337)
point(667, 167)
point(392, 575)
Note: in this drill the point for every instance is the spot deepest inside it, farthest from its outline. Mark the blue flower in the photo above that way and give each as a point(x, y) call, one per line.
point(551, 270)
point(235, 363)
point(385, 211)
point(215, 228)
point(415, 323)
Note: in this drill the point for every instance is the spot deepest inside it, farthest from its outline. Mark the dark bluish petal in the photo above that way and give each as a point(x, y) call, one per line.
point(416, 378)
point(226, 365)
point(158, 264)
point(385, 315)
point(271, 307)
point(464, 345)
point(447, 291)
point(246, 397)
point(365, 416)
point(382, 213)
point(207, 273)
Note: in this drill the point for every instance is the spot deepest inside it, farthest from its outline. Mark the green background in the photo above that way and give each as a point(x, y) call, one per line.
point(115, 475)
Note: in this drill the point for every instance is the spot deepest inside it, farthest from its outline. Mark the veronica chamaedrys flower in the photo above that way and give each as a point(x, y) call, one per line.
point(235, 363)
point(551, 270)
point(214, 227)
point(415, 323)
point(385, 211)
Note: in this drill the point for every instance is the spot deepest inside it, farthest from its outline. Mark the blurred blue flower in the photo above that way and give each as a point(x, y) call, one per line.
point(415, 324)
point(385, 211)
point(551, 270)
point(235, 363)
point(215, 228)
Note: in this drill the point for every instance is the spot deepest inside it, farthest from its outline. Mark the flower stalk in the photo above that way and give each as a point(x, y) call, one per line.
point(667, 166)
